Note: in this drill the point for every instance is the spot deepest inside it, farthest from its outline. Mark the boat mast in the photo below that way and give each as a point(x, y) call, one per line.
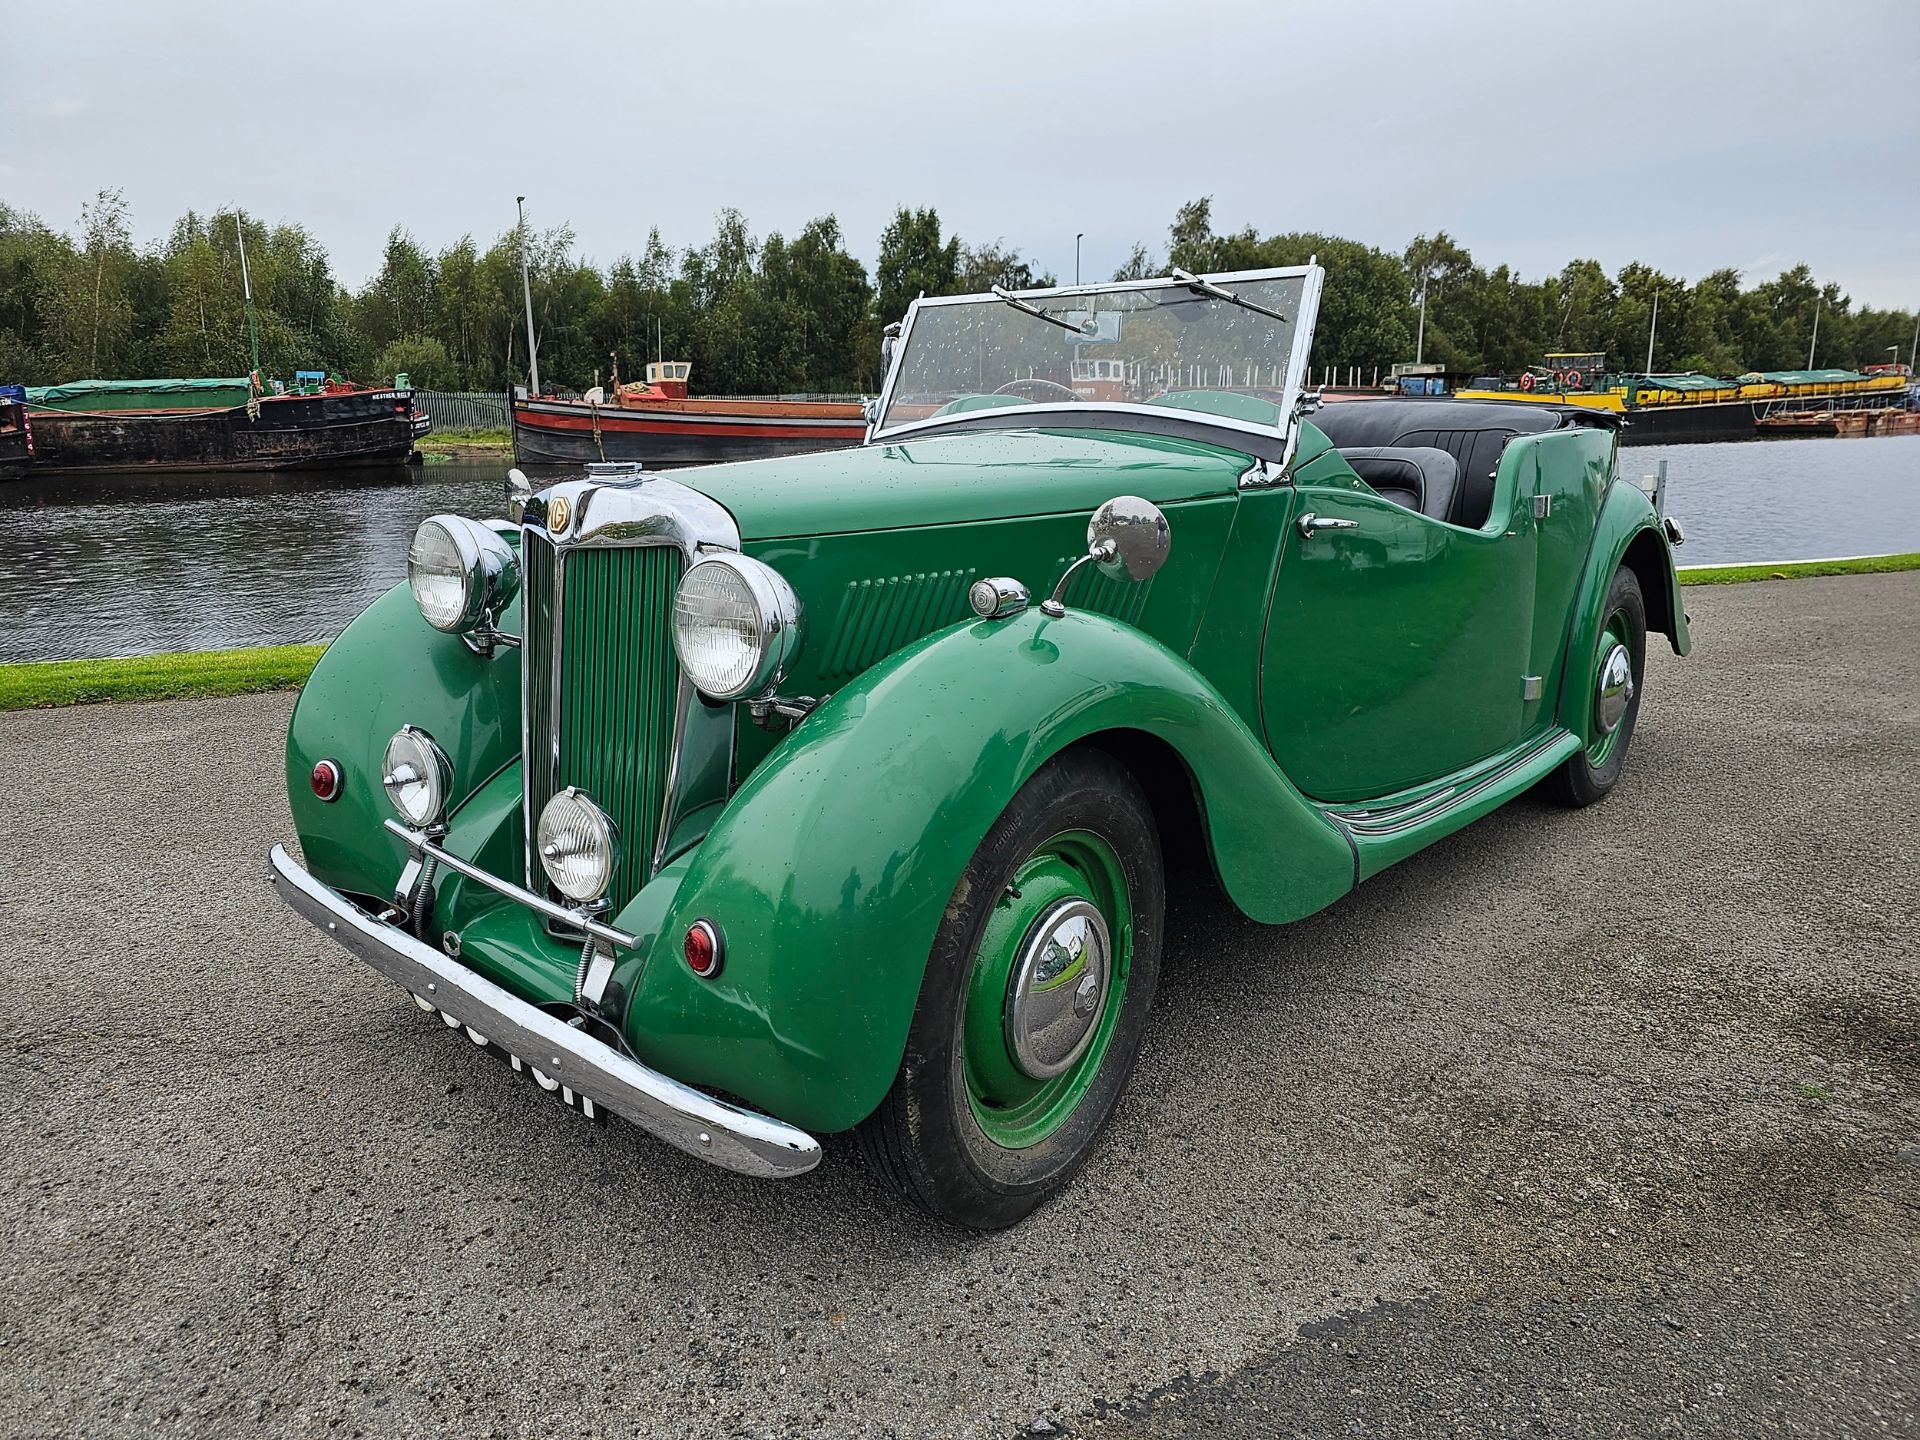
point(1818, 300)
point(526, 288)
point(246, 287)
point(1652, 328)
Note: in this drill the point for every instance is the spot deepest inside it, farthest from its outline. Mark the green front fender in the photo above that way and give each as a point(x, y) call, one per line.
point(829, 872)
point(390, 668)
point(1627, 533)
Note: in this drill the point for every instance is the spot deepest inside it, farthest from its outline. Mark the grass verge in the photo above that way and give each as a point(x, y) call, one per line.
point(448, 443)
point(1798, 569)
point(193, 675)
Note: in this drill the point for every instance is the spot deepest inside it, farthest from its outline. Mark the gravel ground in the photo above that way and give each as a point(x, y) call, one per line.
point(1603, 1123)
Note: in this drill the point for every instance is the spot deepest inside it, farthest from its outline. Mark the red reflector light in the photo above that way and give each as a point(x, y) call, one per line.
point(702, 949)
point(327, 779)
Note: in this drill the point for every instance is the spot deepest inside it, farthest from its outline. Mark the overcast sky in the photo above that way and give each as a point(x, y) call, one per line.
point(1687, 136)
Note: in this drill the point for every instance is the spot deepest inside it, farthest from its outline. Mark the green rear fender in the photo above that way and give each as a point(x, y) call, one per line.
point(1628, 533)
point(829, 872)
point(390, 668)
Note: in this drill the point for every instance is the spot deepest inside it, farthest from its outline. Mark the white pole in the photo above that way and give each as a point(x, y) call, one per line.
point(1420, 342)
point(246, 288)
point(1913, 360)
point(1818, 300)
point(526, 287)
point(1652, 328)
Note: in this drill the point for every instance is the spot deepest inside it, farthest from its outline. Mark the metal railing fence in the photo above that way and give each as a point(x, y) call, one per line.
point(454, 410)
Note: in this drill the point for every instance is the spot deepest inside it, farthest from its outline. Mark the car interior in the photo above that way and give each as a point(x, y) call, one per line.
point(1434, 456)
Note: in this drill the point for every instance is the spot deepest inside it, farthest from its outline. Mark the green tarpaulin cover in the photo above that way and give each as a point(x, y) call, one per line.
point(1806, 377)
point(138, 394)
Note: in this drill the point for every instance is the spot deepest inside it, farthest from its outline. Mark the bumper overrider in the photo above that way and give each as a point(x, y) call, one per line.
point(725, 1135)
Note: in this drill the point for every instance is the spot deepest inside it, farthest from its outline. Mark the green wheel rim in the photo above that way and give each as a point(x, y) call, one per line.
point(1603, 746)
point(1013, 1109)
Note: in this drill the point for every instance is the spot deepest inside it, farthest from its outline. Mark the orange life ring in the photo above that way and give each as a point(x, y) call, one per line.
point(1526, 381)
point(1573, 379)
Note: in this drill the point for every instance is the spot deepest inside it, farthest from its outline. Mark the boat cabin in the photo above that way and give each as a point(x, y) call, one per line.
point(1100, 380)
point(1571, 370)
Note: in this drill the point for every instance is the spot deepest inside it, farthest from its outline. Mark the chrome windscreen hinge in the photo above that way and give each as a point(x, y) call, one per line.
point(1542, 506)
point(1532, 687)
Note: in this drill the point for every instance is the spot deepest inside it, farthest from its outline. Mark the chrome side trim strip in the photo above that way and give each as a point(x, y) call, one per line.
point(726, 1135)
point(424, 848)
point(1394, 819)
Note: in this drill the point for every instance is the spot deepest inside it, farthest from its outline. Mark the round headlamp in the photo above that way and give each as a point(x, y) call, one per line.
point(416, 775)
point(461, 572)
point(578, 846)
point(736, 626)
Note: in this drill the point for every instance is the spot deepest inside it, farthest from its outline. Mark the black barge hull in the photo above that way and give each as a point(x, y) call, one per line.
point(1690, 424)
point(286, 432)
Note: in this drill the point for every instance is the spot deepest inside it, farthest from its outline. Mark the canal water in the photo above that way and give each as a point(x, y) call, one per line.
point(102, 566)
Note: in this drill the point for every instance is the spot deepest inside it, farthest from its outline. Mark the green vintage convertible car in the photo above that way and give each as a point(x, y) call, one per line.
point(839, 792)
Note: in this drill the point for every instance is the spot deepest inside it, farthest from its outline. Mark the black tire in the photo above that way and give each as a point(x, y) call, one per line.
point(1581, 781)
point(925, 1138)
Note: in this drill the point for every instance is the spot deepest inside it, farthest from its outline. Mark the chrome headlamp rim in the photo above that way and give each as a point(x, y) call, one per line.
point(490, 573)
point(605, 834)
point(778, 627)
point(435, 773)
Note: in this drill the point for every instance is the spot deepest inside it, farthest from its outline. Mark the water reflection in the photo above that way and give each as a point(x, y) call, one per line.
point(126, 566)
point(1790, 499)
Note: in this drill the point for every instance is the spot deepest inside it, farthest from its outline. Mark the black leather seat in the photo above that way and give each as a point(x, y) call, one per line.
point(1416, 476)
point(1473, 432)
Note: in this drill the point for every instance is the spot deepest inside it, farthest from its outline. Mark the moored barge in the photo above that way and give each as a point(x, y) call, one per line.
point(154, 426)
point(1690, 407)
point(656, 422)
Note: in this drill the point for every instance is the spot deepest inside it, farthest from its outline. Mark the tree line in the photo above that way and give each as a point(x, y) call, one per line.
point(774, 315)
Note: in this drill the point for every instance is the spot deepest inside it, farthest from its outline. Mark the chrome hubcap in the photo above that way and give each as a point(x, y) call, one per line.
point(1058, 989)
point(1614, 691)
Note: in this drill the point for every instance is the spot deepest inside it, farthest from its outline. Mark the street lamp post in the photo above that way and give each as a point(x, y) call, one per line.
point(1076, 255)
point(1420, 339)
point(526, 288)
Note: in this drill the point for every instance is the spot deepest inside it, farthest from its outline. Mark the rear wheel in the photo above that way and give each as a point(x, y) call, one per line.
point(1035, 1000)
point(1613, 693)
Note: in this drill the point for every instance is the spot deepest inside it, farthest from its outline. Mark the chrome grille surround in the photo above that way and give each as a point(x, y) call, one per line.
point(601, 512)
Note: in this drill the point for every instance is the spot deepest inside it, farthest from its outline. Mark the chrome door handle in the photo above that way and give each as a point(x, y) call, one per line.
point(1311, 524)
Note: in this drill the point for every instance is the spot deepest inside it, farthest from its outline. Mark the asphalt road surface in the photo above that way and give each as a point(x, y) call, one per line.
point(1597, 1123)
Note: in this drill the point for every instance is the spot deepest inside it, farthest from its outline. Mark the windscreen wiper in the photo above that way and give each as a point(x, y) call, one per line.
point(1220, 292)
point(1027, 308)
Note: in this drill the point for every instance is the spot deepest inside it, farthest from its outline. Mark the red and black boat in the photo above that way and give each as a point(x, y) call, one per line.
point(656, 422)
point(146, 426)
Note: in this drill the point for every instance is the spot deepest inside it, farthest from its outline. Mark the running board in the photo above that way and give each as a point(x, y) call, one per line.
point(1393, 827)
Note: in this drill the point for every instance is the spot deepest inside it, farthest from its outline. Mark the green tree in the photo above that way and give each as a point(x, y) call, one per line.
point(914, 260)
point(421, 358)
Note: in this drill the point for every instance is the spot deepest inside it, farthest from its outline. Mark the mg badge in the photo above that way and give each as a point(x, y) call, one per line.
point(558, 513)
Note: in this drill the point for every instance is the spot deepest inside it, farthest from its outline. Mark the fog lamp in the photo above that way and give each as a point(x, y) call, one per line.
point(578, 846)
point(416, 775)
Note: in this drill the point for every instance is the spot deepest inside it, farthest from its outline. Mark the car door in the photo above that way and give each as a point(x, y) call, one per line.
point(1397, 646)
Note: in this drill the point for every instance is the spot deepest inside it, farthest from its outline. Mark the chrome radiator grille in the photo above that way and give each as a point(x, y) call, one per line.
point(600, 689)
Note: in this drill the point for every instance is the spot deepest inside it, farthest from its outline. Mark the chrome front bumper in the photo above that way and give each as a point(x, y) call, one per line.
point(726, 1135)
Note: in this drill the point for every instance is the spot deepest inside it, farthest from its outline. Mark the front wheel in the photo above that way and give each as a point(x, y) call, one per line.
point(1613, 693)
point(1035, 1000)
